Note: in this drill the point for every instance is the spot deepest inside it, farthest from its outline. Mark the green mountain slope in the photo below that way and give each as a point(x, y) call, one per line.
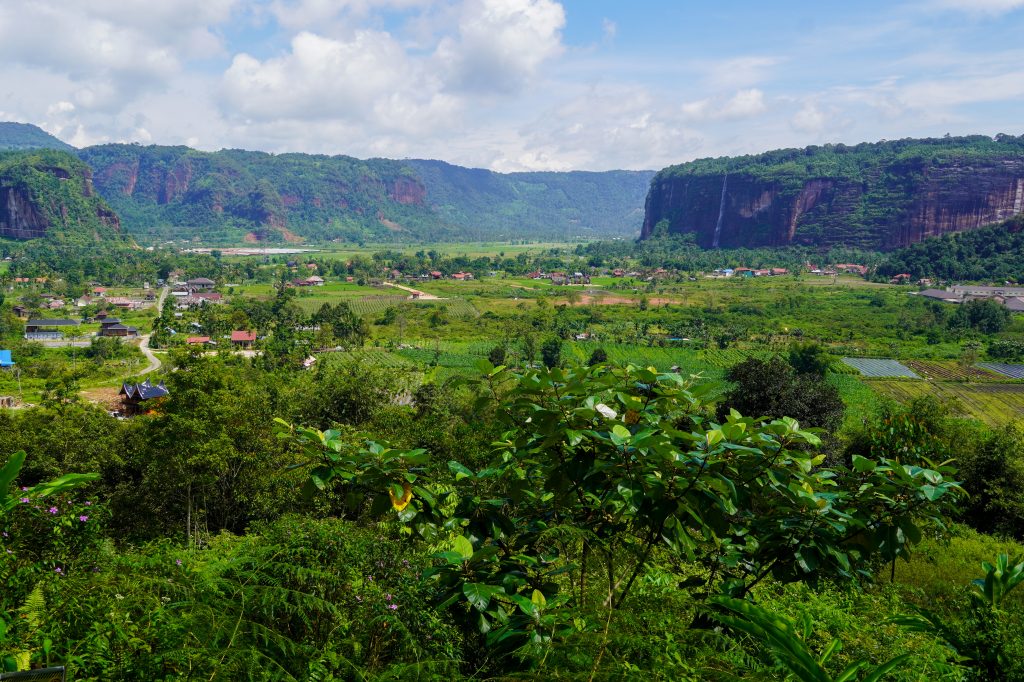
point(165, 192)
point(569, 204)
point(49, 193)
point(881, 196)
point(15, 136)
point(991, 254)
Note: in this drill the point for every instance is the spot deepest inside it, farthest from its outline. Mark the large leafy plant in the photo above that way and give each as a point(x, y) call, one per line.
point(603, 470)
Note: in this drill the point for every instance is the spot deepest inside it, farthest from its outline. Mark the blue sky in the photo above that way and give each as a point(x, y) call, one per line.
point(512, 84)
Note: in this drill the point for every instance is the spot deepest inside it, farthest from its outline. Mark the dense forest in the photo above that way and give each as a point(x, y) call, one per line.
point(992, 254)
point(47, 193)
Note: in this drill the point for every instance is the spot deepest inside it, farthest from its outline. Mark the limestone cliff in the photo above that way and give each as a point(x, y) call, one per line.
point(50, 194)
point(879, 196)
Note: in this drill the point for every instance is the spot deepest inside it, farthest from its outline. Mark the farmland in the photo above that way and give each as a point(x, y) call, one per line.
point(993, 404)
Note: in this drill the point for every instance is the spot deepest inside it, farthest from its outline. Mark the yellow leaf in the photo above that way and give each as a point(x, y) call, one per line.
point(400, 503)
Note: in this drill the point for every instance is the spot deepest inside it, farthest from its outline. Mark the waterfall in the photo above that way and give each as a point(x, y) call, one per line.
point(721, 212)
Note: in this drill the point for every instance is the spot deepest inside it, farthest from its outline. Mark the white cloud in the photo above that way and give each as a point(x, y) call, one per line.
point(809, 119)
point(738, 72)
point(994, 7)
point(366, 79)
point(609, 28)
point(501, 44)
point(743, 104)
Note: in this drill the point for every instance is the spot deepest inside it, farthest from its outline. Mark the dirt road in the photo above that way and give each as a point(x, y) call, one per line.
point(423, 296)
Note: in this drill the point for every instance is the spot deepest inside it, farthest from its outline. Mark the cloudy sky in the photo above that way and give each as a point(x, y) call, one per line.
point(512, 84)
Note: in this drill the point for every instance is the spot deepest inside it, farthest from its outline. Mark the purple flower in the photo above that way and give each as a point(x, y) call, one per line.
point(88, 503)
point(177, 562)
point(83, 518)
point(53, 510)
point(6, 535)
point(393, 607)
point(58, 571)
point(24, 500)
point(24, 487)
point(387, 597)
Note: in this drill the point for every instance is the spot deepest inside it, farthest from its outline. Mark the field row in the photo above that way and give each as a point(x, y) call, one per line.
point(994, 404)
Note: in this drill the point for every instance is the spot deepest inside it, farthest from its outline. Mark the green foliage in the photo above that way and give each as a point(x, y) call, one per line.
point(223, 195)
point(990, 254)
point(53, 198)
point(601, 466)
point(780, 636)
point(809, 358)
point(861, 190)
point(773, 388)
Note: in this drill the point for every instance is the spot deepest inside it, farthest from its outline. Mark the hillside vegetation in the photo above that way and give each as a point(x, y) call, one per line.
point(49, 193)
point(990, 254)
point(16, 136)
point(165, 192)
point(880, 195)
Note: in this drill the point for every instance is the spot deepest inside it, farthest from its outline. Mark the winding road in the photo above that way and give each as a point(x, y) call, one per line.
point(154, 361)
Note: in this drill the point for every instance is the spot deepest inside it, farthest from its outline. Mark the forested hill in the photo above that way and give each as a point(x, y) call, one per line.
point(569, 204)
point(991, 254)
point(17, 136)
point(881, 195)
point(49, 193)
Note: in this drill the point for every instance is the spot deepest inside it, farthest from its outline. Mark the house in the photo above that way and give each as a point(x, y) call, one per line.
point(436, 274)
point(99, 291)
point(536, 274)
point(779, 271)
point(55, 304)
point(47, 329)
point(243, 339)
point(1015, 304)
point(208, 297)
point(200, 284)
point(6, 401)
point(19, 310)
point(559, 278)
point(315, 281)
point(136, 394)
point(349, 279)
point(102, 315)
point(123, 302)
point(84, 301)
point(5, 359)
point(121, 330)
point(902, 278)
point(743, 272)
point(618, 272)
point(942, 295)
point(461, 276)
point(198, 341)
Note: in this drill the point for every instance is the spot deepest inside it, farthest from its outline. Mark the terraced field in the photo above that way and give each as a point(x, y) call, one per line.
point(880, 368)
point(951, 370)
point(994, 404)
point(1010, 371)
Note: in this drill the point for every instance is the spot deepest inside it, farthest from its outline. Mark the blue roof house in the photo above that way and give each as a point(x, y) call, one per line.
point(5, 359)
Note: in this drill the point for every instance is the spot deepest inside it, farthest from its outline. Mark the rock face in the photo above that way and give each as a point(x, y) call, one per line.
point(46, 192)
point(881, 196)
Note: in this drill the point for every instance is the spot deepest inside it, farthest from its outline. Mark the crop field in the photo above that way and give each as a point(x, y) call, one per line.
point(951, 370)
point(875, 367)
point(377, 357)
point(1011, 371)
point(372, 305)
point(994, 404)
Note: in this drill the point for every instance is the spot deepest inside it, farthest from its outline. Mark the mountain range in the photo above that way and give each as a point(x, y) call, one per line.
point(174, 192)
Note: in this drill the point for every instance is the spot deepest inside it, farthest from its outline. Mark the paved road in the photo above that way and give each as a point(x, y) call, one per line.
point(154, 361)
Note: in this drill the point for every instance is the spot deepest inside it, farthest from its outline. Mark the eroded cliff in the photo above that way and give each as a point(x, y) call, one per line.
point(50, 193)
point(878, 196)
